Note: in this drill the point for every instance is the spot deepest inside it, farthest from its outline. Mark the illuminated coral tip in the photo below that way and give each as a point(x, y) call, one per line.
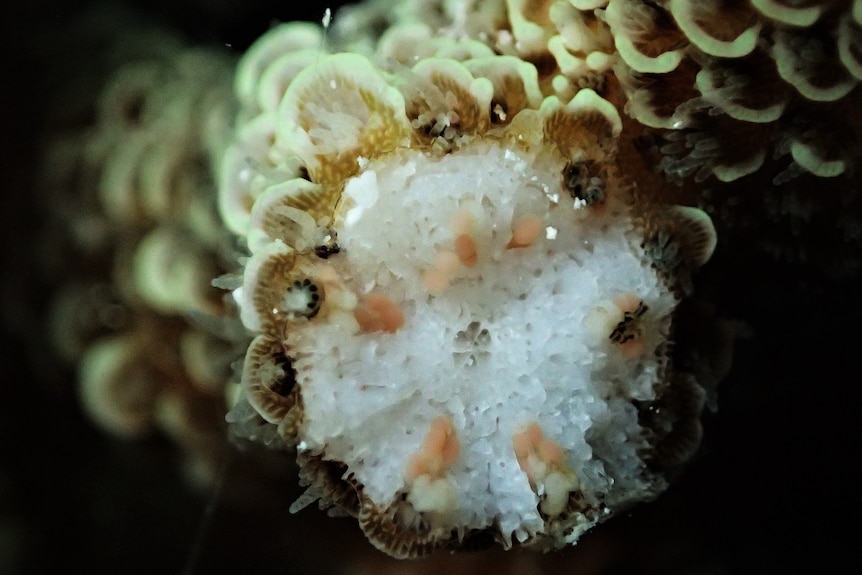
point(377, 313)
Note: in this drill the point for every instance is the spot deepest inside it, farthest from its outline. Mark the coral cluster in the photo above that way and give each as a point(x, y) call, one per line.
point(463, 300)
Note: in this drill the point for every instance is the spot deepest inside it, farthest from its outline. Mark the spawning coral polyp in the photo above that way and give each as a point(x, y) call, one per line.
point(442, 216)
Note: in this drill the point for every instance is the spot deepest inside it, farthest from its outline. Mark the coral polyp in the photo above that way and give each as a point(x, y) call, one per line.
point(496, 322)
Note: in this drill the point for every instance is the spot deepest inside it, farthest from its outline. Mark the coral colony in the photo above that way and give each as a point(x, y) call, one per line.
point(458, 284)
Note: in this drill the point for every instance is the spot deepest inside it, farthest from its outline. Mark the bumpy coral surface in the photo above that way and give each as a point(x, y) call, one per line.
point(463, 302)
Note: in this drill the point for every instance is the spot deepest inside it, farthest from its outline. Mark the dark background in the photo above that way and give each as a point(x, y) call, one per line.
point(774, 488)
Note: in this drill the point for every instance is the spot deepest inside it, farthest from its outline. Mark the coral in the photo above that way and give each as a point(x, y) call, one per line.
point(463, 299)
point(456, 243)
